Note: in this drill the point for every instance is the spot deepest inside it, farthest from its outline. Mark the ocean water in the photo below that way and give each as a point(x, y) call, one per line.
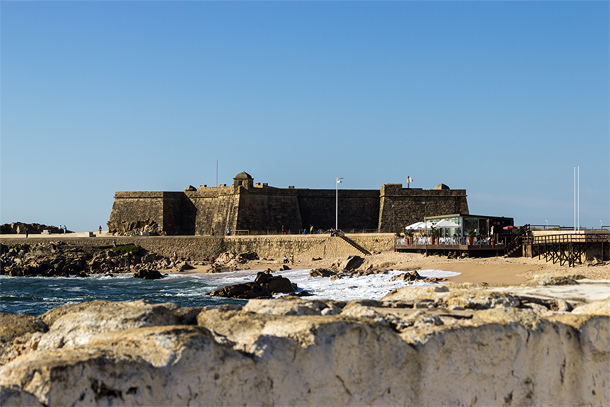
point(36, 295)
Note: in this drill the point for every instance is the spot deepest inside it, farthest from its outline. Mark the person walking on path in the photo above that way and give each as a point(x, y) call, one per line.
point(100, 229)
point(311, 229)
point(292, 259)
point(26, 232)
point(65, 228)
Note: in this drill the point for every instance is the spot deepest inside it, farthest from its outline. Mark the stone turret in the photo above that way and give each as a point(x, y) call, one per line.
point(243, 179)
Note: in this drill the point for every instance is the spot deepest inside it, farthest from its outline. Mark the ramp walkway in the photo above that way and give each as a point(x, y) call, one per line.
point(352, 243)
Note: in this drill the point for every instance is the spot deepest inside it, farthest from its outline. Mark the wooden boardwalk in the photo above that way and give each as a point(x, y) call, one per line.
point(567, 248)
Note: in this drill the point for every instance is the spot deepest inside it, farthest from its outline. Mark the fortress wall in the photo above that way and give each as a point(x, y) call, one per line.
point(259, 209)
point(400, 206)
point(178, 214)
point(358, 209)
point(269, 209)
point(214, 209)
point(199, 248)
point(131, 209)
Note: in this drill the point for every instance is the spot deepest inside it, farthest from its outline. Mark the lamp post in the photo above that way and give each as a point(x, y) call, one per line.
point(337, 203)
point(547, 223)
point(393, 220)
point(425, 228)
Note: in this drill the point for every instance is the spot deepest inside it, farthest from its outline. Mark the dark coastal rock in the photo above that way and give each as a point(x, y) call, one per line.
point(244, 291)
point(183, 266)
point(408, 276)
point(264, 286)
point(412, 276)
point(279, 284)
point(31, 228)
point(45, 259)
point(148, 274)
point(351, 263)
point(321, 273)
point(263, 276)
point(248, 256)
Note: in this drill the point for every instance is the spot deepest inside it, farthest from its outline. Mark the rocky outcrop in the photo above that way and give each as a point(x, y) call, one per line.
point(135, 227)
point(415, 347)
point(321, 272)
point(264, 286)
point(58, 259)
point(413, 276)
point(31, 228)
point(226, 262)
point(148, 274)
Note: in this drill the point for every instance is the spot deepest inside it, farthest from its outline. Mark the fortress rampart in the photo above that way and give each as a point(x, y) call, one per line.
point(258, 209)
point(199, 248)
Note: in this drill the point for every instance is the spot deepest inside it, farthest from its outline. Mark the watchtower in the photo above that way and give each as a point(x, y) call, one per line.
point(243, 179)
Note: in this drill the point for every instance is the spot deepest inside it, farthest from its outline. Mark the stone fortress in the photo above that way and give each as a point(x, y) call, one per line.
point(253, 208)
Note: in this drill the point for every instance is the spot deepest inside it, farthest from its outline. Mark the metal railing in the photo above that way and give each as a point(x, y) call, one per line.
point(297, 232)
point(570, 238)
point(443, 241)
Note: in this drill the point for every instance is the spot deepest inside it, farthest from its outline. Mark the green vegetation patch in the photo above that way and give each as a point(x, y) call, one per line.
point(128, 248)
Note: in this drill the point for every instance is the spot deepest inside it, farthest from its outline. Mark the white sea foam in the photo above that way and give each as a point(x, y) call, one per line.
point(374, 286)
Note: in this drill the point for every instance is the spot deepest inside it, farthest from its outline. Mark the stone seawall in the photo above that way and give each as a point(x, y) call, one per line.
point(202, 247)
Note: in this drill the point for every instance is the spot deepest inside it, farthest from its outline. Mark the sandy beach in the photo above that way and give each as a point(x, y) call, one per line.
point(492, 270)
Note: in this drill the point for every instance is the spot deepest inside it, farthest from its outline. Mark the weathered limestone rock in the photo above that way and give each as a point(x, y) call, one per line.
point(16, 331)
point(73, 325)
point(403, 350)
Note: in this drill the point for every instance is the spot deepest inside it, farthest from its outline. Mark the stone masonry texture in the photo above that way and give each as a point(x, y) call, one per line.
point(199, 248)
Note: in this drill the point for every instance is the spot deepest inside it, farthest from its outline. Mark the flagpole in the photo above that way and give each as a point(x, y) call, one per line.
point(574, 199)
point(578, 206)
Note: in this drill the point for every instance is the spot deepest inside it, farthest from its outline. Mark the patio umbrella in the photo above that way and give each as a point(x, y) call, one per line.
point(510, 227)
point(420, 226)
point(446, 224)
point(415, 226)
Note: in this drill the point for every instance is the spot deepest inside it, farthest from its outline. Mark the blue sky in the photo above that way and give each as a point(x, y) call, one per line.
point(502, 99)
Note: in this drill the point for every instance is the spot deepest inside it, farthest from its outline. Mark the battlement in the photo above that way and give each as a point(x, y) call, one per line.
point(260, 208)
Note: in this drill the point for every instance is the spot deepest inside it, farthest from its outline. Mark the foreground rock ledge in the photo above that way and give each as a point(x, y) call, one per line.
point(447, 345)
